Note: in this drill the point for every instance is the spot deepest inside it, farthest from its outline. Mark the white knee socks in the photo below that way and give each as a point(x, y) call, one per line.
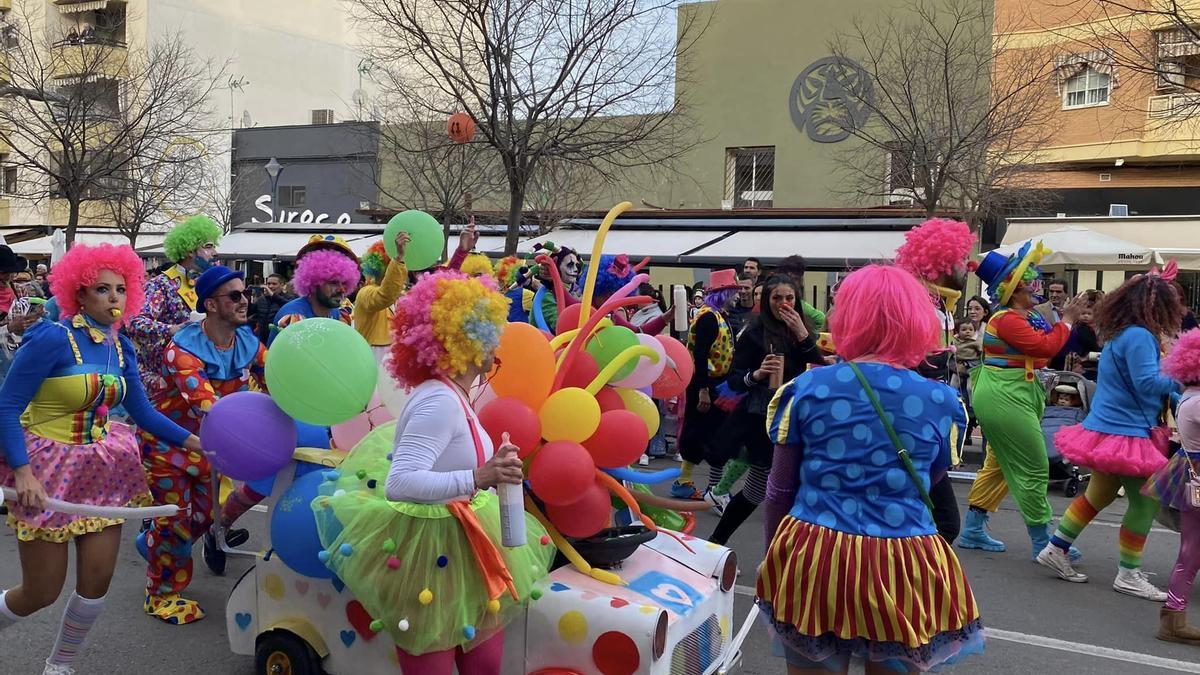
point(77, 620)
point(7, 618)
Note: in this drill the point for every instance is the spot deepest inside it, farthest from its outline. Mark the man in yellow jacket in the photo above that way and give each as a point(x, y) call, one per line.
point(385, 281)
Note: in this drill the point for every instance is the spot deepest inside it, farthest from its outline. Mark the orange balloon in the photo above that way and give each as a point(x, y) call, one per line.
point(460, 127)
point(524, 365)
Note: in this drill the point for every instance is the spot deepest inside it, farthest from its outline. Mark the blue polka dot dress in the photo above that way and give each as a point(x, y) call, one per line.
point(857, 567)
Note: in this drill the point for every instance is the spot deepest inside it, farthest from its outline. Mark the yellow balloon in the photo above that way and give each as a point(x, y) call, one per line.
point(641, 405)
point(569, 414)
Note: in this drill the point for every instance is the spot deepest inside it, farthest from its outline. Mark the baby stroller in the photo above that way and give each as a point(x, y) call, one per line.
point(1064, 474)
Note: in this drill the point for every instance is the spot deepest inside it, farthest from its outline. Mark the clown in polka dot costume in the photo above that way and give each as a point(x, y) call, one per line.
point(200, 369)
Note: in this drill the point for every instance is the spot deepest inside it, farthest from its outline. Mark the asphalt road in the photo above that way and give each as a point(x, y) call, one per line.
point(1037, 623)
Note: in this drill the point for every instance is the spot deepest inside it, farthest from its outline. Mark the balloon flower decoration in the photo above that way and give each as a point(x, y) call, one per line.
point(579, 405)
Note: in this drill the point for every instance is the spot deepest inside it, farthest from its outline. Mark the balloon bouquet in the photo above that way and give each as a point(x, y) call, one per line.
point(580, 406)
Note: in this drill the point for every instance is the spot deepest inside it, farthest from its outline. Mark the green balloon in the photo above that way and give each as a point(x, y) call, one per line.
point(425, 239)
point(608, 344)
point(321, 371)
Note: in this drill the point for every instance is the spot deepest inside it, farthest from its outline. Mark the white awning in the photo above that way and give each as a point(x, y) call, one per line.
point(824, 247)
point(83, 6)
point(263, 245)
point(637, 244)
point(43, 246)
point(490, 245)
point(1081, 246)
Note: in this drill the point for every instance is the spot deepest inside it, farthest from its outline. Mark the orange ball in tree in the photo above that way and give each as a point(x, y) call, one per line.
point(460, 127)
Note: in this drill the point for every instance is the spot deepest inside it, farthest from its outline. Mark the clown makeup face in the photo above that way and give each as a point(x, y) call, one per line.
point(330, 294)
point(100, 299)
point(1023, 297)
point(569, 269)
point(205, 256)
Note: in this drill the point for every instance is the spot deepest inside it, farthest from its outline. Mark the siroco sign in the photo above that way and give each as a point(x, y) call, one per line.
point(263, 204)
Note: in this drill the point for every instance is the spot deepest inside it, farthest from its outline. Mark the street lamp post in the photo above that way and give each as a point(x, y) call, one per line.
point(274, 169)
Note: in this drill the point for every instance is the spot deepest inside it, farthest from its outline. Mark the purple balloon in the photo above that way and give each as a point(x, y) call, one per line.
point(247, 437)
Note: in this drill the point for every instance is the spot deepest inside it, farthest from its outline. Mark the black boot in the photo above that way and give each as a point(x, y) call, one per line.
point(736, 513)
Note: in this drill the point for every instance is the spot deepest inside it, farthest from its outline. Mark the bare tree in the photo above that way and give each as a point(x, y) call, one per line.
point(96, 117)
point(950, 118)
point(151, 193)
point(421, 168)
point(560, 191)
point(588, 82)
point(224, 192)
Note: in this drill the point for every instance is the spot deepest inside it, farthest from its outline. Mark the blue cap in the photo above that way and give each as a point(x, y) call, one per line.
point(212, 279)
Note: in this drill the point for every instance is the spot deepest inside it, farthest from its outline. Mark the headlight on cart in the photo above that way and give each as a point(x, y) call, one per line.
point(660, 637)
point(729, 571)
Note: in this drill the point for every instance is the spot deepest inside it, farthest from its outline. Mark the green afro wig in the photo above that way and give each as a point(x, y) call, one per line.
point(191, 234)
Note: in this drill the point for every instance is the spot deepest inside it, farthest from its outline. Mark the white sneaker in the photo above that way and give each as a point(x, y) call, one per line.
point(719, 502)
point(1056, 559)
point(57, 669)
point(1135, 582)
point(644, 460)
point(678, 457)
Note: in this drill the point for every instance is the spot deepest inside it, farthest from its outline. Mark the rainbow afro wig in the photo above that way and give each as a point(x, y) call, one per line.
point(82, 264)
point(191, 234)
point(508, 271)
point(446, 323)
point(936, 248)
point(1183, 360)
point(478, 265)
point(375, 261)
point(613, 273)
point(323, 266)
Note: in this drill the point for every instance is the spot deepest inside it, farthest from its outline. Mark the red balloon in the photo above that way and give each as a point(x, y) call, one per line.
point(608, 398)
point(568, 319)
point(678, 373)
point(619, 440)
point(582, 371)
point(511, 415)
point(460, 127)
point(561, 471)
point(585, 516)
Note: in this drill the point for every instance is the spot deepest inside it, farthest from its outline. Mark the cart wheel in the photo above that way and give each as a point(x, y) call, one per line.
point(282, 653)
point(1071, 487)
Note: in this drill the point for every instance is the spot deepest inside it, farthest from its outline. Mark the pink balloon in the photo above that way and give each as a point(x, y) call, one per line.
point(646, 373)
point(347, 434)
point(675, 377)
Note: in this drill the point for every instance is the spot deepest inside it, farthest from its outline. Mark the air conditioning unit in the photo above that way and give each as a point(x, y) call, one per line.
point(1170, 75)
point(322, 116)
point(364, 205)
point(726, 204)
point(1105, 177)
point(1118, 210)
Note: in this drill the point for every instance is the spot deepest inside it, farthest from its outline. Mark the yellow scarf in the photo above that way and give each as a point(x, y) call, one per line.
point(187, 287)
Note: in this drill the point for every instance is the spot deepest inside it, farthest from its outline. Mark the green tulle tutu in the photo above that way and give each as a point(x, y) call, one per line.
point(411, 565)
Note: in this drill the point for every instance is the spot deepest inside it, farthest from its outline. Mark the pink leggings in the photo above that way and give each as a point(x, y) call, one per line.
point(1188, 562)
point(485, 659)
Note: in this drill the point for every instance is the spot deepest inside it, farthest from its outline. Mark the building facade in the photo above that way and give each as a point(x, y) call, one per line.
point(278, 61)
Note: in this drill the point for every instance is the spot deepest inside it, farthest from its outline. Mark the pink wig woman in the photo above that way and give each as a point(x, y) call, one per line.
point(80, 267)
point(885, 314)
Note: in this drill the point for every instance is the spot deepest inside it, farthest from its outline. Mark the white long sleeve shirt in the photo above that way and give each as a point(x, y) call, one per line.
point(434, 455)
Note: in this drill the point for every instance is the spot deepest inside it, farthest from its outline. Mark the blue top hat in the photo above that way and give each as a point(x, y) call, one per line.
point(996, 267)
point(212, 279)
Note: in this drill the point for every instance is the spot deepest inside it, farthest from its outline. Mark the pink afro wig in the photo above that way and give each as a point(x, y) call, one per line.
point(82, 264)
point(446, 323)
point(883, 311)
point(322, 266)
point(1183, 360)
point(936, 248)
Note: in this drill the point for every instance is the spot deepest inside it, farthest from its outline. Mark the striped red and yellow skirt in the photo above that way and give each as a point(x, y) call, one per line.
point(828, 593)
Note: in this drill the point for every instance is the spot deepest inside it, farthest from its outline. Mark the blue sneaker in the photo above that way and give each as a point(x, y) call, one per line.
point(686, 490)
point(975, 534)
point(140, 545)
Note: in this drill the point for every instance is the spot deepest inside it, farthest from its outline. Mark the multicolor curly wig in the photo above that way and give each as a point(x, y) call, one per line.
point(1182, 362)
point(478, 265)
point(82, 264)
point(614, 272)
point(937, 248)
point(446, 323)
point(191, 234)
point(375, 262)
point(508, 270)
point(323, 266)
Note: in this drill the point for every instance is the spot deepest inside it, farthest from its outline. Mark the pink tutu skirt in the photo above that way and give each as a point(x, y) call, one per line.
point(1113, 453)
point(108, 473)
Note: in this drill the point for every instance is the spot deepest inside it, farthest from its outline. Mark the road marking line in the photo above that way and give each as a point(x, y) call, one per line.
point(1079, 648)
point(1097, 651)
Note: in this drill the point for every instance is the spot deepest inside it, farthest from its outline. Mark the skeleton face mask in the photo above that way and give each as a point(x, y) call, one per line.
point(569, 269)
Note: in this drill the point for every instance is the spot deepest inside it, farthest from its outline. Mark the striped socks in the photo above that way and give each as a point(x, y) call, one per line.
point(77, 620)
point(1131, 544)
point(7, 618)
point(1078, 515)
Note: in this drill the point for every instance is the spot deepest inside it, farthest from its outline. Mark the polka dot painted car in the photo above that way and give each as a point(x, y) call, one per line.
point(674, 615)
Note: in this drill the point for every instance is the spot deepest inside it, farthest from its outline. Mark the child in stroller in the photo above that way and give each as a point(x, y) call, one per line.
point(1068, 395)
